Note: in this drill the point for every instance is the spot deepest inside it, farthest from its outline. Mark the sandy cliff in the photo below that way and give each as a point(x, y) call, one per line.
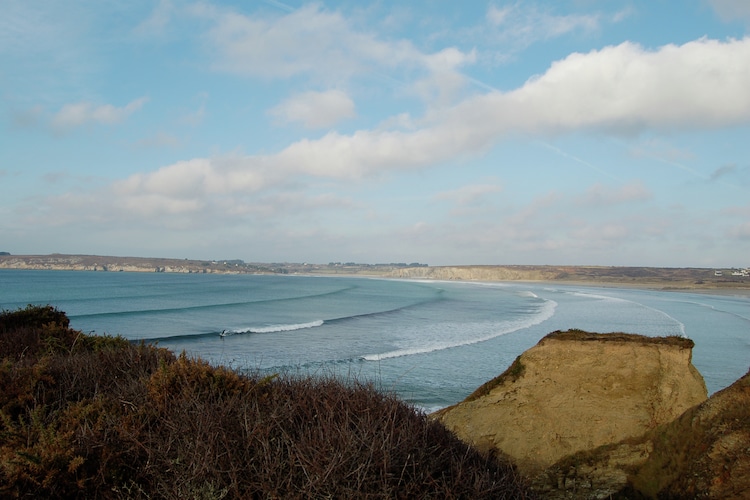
point(704, 453)
point(650, 277)
point(576, 391)
point(480, 273)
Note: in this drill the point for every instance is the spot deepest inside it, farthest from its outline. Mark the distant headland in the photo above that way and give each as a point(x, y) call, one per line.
point(664, 278)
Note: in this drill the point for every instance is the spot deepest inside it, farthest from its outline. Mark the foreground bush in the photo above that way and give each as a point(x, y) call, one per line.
point(99, 417)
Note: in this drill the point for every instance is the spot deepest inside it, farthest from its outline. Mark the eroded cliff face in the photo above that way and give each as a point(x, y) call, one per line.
point(576, 391)
point(704, 453)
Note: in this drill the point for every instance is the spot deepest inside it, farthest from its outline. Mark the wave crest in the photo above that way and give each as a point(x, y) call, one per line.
point(546, 311)
point(276, 328)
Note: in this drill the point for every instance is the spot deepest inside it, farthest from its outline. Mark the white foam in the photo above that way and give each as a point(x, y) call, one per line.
point(595, 296)
point(545, 312)
point(680, 324)
point(280, 328)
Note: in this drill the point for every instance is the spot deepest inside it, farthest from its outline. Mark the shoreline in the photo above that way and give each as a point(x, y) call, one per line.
point(682, 280)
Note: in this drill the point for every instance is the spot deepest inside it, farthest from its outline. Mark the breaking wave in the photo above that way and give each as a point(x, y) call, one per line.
point(275, 328)
point(545, 312)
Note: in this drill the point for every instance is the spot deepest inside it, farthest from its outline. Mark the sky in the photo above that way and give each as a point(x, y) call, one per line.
point(567, 132)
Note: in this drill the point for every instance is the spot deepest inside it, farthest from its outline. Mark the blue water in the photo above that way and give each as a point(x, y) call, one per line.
point(432, 342)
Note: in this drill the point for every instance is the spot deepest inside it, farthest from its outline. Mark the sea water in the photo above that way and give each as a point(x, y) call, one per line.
point(431, 342)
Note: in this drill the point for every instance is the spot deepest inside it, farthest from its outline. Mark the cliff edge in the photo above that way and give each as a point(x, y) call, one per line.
point(577, 391)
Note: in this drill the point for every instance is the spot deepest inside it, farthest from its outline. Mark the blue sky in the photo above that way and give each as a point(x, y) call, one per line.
point(566, 132)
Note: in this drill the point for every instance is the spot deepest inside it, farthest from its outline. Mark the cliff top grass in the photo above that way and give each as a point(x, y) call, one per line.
point(584, 336)
point(516, 369)
point(511, 374)
point(100, 417)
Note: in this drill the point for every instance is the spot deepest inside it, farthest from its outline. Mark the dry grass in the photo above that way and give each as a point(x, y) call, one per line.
point(584, 336)
point(99, 417)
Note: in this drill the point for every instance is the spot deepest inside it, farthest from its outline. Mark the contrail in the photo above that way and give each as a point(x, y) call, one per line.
point(280, 5)
point(689, 170)
point(582, 162)
point(481, 84)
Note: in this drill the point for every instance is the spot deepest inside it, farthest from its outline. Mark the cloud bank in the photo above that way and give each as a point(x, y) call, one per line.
point(623, 89)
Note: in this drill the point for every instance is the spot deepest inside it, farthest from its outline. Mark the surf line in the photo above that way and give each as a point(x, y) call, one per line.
point(273, 328)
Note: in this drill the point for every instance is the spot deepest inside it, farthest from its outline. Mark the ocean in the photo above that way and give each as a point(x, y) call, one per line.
point(431, 342)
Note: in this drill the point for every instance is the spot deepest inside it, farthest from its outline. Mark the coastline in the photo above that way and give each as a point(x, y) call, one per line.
point(685, 280)
point(659, 287)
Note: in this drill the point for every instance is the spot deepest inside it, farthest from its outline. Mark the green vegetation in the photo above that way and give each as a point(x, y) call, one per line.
point(513, 373)
point(99, 417)
point(581, 335)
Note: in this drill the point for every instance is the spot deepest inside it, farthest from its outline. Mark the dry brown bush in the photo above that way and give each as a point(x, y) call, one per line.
point(99, 417)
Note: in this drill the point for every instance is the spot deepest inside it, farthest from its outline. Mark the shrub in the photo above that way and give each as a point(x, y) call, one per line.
point(84, 416)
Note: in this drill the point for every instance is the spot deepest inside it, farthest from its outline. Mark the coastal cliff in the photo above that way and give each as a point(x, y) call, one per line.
point(577, 391)
point(704, 453)
point(664, 278)
point(481, 273)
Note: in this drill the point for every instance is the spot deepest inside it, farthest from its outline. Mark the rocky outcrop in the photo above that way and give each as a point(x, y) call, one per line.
point(577, 391)
point(704, 453)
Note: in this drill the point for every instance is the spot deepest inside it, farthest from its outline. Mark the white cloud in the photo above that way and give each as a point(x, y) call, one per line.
point(83, 113)
point(314, 42)
point(315, 109)
point(732, 10)
point(522, 24)
point(367, 152)
point(498, 16)
point(622, 88)
point(623, 14)
point(194, 179)
point(157, 20)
